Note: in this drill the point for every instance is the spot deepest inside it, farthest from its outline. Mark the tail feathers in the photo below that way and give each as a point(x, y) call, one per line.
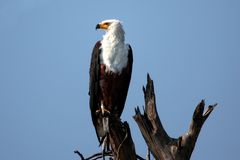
point(104, 141)
point(105, 121)
point(105, 145)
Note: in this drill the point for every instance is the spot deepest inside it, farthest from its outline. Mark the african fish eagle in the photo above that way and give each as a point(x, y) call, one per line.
point(110, 74)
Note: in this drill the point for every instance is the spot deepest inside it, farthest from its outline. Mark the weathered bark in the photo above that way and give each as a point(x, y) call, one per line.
point(162, 146)
point(122, 146)
point(121, 141)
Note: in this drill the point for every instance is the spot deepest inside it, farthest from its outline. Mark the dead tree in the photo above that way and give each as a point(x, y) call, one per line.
point(160, 144)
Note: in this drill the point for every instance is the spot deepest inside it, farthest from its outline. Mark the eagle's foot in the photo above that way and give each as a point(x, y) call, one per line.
point(104, 112)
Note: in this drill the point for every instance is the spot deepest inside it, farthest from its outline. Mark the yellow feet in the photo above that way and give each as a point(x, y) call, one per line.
point(103, 110)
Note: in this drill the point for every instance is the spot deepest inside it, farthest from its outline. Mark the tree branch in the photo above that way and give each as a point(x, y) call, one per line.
point(160, 144)
point(94, 156)
point(121, 141)
point(122, 146)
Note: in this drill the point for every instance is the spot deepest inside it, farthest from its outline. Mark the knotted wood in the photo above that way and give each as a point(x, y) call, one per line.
point(121, 141)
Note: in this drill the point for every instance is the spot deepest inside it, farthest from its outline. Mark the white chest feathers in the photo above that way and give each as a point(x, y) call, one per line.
point(114, 55)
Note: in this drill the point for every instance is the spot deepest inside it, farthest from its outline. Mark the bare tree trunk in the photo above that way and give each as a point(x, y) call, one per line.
point(121, 141)
point(160, 144)
point(122, 146)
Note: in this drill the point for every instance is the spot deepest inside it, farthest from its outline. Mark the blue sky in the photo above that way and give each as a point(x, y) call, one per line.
point(190, 48)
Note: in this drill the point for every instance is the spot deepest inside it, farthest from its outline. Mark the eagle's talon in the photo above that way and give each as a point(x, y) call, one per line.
point(104, 112)
point(98, 111)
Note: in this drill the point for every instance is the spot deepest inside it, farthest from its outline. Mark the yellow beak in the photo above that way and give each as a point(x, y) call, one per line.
point(102, 26)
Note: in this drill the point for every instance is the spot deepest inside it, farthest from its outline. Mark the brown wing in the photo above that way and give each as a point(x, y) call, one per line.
point(124, 84)
point(114, 87)
point(94, 84)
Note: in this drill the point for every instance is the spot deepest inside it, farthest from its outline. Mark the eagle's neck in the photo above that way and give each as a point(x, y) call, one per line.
point(114, 51)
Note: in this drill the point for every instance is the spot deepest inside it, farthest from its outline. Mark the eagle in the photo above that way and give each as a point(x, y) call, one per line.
point(110, 75)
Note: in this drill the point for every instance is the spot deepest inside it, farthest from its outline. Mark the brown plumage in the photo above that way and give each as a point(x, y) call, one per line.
point(107, 88)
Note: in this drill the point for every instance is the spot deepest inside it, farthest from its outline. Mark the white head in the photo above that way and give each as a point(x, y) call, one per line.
point(114, 50)
point(109, 24)
point(113, 27)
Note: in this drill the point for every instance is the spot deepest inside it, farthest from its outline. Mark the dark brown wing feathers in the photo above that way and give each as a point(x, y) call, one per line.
point(114, 87)
point(93, 83)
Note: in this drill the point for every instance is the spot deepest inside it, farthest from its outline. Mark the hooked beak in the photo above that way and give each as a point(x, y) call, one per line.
point(97, 26)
